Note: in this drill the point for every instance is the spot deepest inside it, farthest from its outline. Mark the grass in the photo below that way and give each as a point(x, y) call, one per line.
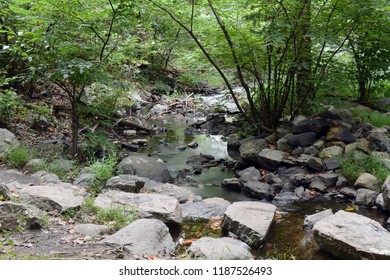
point(103, 170)
point(374, 118)
point(17, 156)
point(115, 217)
point(352, 167)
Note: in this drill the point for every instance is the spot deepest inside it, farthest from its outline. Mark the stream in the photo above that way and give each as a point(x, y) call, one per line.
point(287, 239)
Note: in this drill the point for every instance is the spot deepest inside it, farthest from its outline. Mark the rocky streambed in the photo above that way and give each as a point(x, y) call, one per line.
point(200, 196)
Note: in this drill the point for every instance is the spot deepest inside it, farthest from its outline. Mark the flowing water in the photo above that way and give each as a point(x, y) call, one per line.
point(287, 238)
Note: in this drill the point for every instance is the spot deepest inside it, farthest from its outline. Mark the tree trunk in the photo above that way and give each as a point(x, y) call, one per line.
point(75, 127)
point(304, 86)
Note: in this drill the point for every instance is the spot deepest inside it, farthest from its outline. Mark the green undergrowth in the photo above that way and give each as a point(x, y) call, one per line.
point(116, 217)
point(353, 166)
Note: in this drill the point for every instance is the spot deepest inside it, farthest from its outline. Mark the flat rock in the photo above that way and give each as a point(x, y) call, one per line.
point(144, 238)
point(310, 220)
point(208, 248)
point(91, 230)
point(161, 207)
point(270, 159)
point(352, 236)
point(144, 166)
point(249, 220)
point(53, 197)
point(202, 210)
point(181, 194)
point(16, 215)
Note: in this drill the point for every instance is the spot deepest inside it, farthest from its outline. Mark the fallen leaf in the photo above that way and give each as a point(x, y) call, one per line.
point(278, 216)
point(188, 242)
point(152, 258)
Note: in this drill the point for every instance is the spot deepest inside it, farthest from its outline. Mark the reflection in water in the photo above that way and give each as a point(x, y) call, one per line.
point(287, 238)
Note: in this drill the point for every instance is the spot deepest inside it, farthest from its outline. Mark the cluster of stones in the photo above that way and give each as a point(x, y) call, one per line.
point(143, 189)
point(301, 160)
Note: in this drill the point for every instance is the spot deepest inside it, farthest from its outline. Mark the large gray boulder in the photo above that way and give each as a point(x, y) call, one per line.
point(161, 207)
point(144, 238)
point(249, 220)
point(352, 236)
point(208, 248)
point(53, 197)
point(144, 166)
point(250, 149)
point(7, 140)
point(16, 215)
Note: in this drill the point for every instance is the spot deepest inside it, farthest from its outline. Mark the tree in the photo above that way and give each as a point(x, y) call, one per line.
point(369, 45)
point(80, 40)
point(279, 50)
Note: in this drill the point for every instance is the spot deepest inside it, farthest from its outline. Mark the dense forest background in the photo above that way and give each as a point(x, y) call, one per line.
point(288, 55)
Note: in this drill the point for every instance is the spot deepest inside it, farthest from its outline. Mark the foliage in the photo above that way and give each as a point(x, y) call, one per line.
point(6, 242)
point(10, 102)
point(374, 118)
point(98, 144)
point(17, 156)
point(115, 217)
point(353, 166)
point(102, 170)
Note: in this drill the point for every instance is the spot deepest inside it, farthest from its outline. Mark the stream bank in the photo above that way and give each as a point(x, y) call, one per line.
point(202, 180)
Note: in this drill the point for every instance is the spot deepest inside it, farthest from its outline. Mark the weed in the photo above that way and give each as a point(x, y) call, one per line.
point(103, 170)
point(44, 220)
point(374, 118)
point(116, 217)
point(10, 102)
point(17, 156)
point(6, 243)
point(352, 167)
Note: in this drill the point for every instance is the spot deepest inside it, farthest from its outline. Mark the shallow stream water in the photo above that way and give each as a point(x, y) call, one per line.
point(287, 238)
